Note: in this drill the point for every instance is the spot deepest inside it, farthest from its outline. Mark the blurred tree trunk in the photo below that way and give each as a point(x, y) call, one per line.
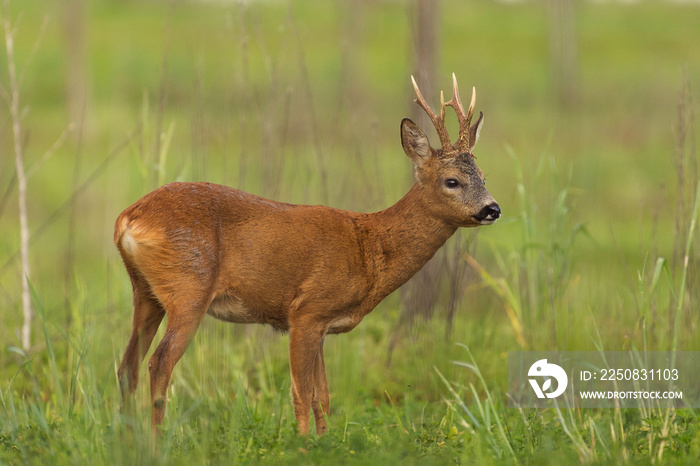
point(76, 101)
point(419, 295)
point(425, 56)
point(563, 51)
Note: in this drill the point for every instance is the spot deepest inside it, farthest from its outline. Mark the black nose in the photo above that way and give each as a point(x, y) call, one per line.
point(490, 212)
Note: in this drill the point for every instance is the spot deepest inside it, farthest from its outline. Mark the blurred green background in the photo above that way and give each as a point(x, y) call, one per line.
point(589, 146)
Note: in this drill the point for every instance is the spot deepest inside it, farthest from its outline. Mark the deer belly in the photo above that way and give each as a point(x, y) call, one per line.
point(233, 310)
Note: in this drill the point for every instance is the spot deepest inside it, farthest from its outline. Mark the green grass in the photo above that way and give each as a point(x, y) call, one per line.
point(598, 205)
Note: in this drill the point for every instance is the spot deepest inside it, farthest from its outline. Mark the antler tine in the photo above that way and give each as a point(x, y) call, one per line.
point(438, 122)
point(471, 105)
point(464, 118)
point(442, 107)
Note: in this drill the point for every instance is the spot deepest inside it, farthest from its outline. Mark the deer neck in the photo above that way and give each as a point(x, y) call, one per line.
point(407, 235)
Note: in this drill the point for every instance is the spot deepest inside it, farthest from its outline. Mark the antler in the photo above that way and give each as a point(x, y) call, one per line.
point(464, 118)
point(438, 122)
point(464, 141)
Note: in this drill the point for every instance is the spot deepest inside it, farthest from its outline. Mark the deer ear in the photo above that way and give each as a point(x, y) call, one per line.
point(415, 142)
point(474, 131)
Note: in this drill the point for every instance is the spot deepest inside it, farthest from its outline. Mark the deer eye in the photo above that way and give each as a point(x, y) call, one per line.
point(451, 183)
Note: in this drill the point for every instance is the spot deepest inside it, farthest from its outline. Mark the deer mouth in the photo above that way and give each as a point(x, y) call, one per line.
point(487, 221)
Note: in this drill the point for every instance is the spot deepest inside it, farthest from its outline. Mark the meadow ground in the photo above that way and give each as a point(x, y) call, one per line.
point(301, 102)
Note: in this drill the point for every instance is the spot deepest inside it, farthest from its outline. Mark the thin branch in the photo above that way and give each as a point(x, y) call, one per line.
point(21, 178)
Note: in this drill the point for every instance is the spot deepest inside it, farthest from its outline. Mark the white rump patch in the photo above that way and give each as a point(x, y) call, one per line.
point(128, 242)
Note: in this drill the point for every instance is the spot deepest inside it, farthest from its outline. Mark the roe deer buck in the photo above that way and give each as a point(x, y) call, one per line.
point(193, 249)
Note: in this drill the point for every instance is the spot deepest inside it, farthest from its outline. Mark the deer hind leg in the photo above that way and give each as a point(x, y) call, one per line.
point(148, 314)
point(304, 341)
point(321, 401)
point(184, 317)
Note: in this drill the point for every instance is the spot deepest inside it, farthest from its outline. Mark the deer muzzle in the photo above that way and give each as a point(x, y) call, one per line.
point(489, 214)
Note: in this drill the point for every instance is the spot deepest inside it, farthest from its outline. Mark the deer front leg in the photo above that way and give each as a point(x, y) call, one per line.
point(321, 401)
point(304, 341)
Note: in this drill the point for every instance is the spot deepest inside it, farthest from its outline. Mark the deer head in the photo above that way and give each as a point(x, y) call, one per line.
point(453, 184)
